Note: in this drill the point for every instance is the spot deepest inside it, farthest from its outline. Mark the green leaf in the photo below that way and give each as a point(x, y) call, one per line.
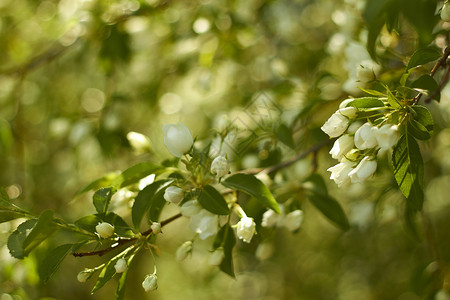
point(211, 200)
point(156, 206)
point(318, 195)
point(106, 274)
point(423, 56)
point(408, 170)
point(102, 198)
point(136, 173)
point(421, 127)
point(144, 199)
point(52, 260)
point(89, 223)
point(4, 198)
point(427, 83)
point(366, 102)
point(372, 92)
point(251, 185)
point(16, 239)
point(40, 232)
point(393, 101)
point(8, 215)
point(225, 238)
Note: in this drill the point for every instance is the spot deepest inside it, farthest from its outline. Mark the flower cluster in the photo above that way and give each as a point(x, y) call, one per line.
point(292, 221)
point(202, 221)
point(357, 145)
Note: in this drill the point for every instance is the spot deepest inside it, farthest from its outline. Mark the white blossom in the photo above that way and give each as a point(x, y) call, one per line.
point(216, 257)
point(204, 223)
point(177, 138)
point(353, 127)
point(245, 229)
point(183, 251)
point(366, 167)
point(367, 71)
point(365, 137)
point(190, 208)
point(121, 265)
point(220, 166)
point(335, 125)
point(173, 194)
point(342, 146)
point(293, 220)
point(386, 136)
point(339, 173)
point(270, 218)
point(104, 230)
point(150, 283)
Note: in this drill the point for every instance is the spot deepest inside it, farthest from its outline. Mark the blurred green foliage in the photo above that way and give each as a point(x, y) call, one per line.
point(77, 75)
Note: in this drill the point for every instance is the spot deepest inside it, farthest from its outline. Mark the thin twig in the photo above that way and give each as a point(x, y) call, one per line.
point(123, 241)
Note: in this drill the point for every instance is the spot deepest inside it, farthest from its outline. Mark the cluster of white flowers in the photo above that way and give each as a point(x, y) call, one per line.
point(357, 145)
point(292, 221)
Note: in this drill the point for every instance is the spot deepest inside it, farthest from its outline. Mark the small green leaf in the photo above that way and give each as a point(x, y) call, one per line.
point(423, 56)
point(136, 173)
point(40, 232)
point(408, 170)
point(156, 206)
point(393, 101)
point(318, 195)
point(4, 198)
point(211, 200)
point(16, 239)
point(8, 215)
point(366, 102)
point(372, 92)
point(106, 274)
point(102, 198)
point(51, 262)
point(144, 199)
point(421, 127)
point(225, 238)
point(251, 185)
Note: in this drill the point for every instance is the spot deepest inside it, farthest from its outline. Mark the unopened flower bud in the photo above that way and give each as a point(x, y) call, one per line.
point(365, 137)
point(270, 219)
point(104, 230)
point(183, 251)
point(445, 12)
point(350, 112)
point(245, 229)
point(367, 71)
point(335, 125)
point(83, 276)
point(264, 251)
point(138, 141)
point(345, 103)
point(174, 194)
point(150, 283)
point(220, 166)
point(342, 146)
point(216, 257)
point(177, 138)
point(156, 228)
point(121, 265)
point(293, 220)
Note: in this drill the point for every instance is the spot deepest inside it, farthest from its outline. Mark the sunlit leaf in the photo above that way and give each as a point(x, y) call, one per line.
point(40, 232)
point(102, 198)
point(16, 239)
point(253, 186)
point(421, 127)
point(408, 170)
point(423, 56)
